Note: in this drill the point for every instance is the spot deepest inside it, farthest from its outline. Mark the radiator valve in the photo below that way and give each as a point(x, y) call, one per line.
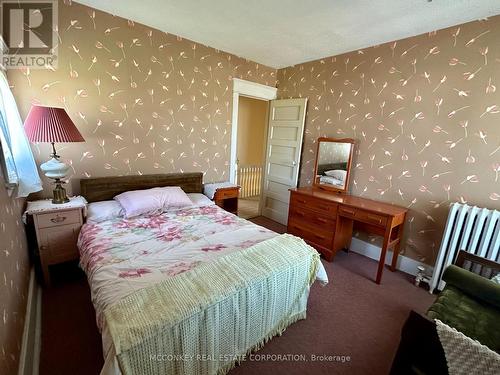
point(421, 276)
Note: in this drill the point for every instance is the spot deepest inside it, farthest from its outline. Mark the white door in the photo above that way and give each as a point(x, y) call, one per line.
point(284, 144)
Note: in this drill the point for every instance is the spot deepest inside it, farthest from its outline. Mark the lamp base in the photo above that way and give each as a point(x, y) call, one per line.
point(59, 193)
point(54, 168)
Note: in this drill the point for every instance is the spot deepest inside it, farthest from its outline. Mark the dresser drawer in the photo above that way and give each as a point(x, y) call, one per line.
point(312, 217)
point(319, 237)
point(316, 204)
point(54, 219)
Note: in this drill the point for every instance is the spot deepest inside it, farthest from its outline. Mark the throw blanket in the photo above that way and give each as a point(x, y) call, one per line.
point(207, 319)
point(464, 355)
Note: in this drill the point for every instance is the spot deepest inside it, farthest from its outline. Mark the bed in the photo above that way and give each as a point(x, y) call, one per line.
point(192, 290)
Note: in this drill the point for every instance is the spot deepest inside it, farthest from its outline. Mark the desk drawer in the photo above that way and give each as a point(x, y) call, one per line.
point(370, 218)
point(319, 237)
point(362, 215)
point(347, 211)
point(312, 217)
point(316, 204)
point(54, 219)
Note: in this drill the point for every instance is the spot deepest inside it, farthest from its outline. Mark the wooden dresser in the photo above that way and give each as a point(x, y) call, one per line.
point(326, 219)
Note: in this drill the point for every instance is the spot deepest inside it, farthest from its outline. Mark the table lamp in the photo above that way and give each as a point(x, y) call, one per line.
point(50, 124)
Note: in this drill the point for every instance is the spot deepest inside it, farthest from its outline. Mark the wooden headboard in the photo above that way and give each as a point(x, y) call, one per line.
point(105, 188)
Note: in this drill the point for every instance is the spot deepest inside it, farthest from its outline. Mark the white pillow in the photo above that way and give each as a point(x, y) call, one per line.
point(496, 278)
point(339, 174)
point(151, 201)
point(200, 200)
point(105, 210)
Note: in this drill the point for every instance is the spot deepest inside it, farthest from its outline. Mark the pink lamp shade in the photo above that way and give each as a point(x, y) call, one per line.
point(50, 124)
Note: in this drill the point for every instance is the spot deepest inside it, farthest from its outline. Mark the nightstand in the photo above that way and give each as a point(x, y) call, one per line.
point(57, 228)
point(224, 194)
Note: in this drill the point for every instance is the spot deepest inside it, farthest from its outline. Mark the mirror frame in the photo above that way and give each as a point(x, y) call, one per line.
point(349, 162)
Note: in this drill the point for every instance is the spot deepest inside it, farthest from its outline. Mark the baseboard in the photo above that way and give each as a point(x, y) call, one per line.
point(404, 264)
point(29, 358)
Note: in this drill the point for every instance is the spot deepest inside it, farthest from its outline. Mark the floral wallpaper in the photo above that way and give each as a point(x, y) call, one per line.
point(425, 113)
point(14, 277)
point(145, 101)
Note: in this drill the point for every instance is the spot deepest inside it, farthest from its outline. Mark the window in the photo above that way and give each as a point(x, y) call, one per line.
point(8, 167)
point(16, 159)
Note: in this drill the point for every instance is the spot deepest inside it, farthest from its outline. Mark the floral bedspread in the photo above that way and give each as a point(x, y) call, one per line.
point(121, 256)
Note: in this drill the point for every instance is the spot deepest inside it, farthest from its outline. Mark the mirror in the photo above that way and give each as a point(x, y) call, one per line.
point(333, 164)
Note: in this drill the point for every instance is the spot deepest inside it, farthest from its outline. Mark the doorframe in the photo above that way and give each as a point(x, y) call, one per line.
point(249, 89)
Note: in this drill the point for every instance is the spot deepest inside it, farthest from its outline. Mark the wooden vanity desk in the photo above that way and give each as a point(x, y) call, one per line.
point(326, 219)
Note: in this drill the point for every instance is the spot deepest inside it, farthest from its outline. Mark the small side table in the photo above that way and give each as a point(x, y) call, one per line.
point(224, 194)
point(57, 227)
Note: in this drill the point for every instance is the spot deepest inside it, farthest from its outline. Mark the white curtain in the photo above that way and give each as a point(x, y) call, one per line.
point(14, 139)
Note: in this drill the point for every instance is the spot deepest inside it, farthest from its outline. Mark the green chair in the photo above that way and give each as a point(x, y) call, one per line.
point(470, 303)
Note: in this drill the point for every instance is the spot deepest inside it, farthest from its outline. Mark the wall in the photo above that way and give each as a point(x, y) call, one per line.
point(14, 278)
point(145, 101)
point(425, 112)
point(252, 126)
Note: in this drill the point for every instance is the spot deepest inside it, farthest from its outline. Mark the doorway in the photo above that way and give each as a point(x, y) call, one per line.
point(250, 153)
point(248, 142)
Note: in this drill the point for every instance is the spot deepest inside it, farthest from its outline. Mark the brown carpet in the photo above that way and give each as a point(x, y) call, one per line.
point(351, 317)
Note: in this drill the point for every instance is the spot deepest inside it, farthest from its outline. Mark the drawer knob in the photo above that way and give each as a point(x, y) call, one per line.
point(58, 219)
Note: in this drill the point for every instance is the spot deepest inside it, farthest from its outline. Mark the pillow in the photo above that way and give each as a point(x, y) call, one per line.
point(151, 201)
point(339, 174)
point(200, 200)
point(105, 210)
point(496, 278)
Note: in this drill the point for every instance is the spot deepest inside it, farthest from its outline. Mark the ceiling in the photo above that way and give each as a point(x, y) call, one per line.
point(281, 33)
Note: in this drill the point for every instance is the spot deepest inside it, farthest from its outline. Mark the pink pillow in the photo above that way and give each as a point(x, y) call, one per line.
point(150, 201)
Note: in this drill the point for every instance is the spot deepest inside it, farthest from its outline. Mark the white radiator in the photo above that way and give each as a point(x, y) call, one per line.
point(473, 229)
point(250, 179)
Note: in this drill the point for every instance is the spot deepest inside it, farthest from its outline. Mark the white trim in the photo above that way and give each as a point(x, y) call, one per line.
point(251, 90)
point(254, 89)
point(29, 358)
point(404, 264)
